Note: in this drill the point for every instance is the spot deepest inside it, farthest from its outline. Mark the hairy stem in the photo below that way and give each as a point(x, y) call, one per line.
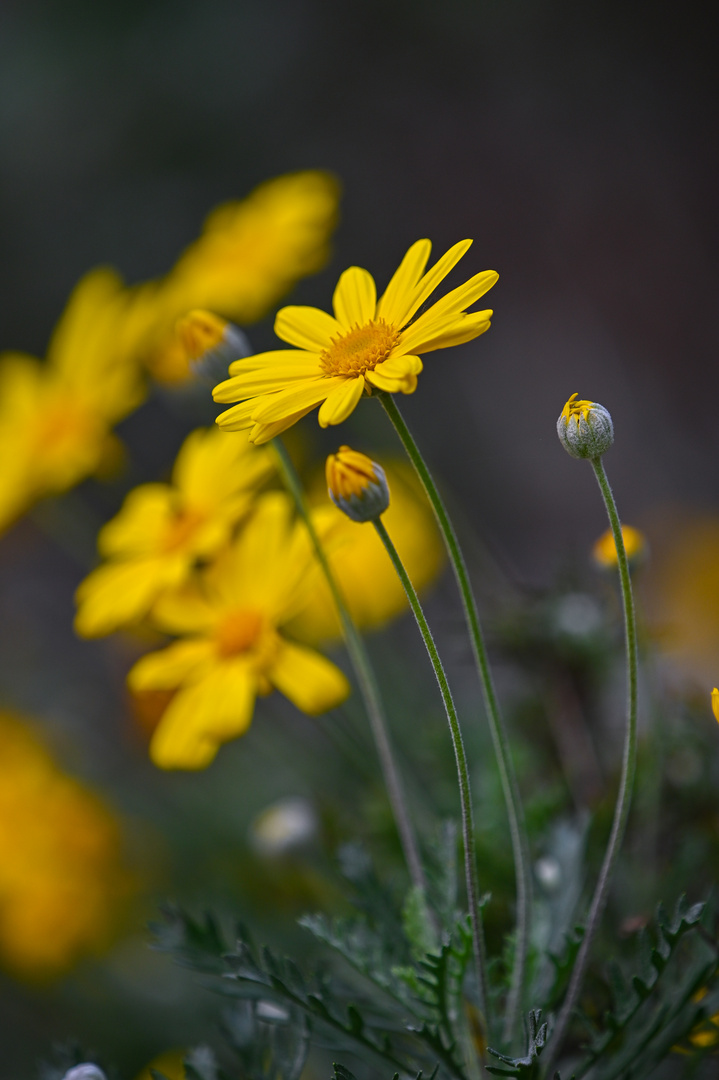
point(624, 795)
point(470, 854)
point(365, 678)
point(510, 789)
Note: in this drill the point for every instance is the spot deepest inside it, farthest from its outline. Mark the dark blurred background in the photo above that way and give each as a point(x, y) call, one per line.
point(575, 143)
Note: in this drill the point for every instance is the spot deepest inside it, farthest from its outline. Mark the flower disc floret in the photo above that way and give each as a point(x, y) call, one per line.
point(360, 350)
point(364, 346)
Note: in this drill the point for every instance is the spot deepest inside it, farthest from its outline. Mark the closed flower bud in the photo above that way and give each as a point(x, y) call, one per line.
point(86, 1071)
point(210, 343)
point(585, 428)
point(357, 485)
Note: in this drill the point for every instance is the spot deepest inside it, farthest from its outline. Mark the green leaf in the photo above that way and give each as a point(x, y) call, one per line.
point(527, 1067)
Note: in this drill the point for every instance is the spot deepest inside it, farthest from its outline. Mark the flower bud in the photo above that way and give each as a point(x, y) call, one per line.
point(604, 551)
point(715, 703)
point(210, 343)
point(86, 1071)
point(357, 485)
point(585, 428)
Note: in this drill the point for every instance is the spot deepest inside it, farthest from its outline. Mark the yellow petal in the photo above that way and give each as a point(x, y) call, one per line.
point(264, 381)
point(393, 385)
point(212, 467)
point(277, 357)
point(285, 402)
point(171, 667)
point(355, 298)
point(419, 334)
point(462, 297)
point(426, 286)
point(467, 328)
point(306, 327)
point(238, 418)
point(137, 529)
point(341, 402)
point(120, 593)
point(308, 679)
point(393, 302)
point(201, 717)
point(397, 367)
point(715, 703)
point(262, 433)
point(184, 610)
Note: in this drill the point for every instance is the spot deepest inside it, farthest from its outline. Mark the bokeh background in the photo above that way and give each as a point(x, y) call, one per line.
point(574, 143)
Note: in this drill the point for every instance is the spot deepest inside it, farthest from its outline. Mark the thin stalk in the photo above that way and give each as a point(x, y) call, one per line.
point(470, 853)
point(629, 761)
point(365, 678)
point(510, 789)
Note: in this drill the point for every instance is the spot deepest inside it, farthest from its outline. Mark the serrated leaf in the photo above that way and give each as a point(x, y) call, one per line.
point(525, 1067)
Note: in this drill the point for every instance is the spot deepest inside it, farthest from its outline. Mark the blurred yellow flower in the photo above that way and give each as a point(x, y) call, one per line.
point(170, 1064)
point(368, 344)
point(363, 569)
point(250, 254)
point(715, 703)
point(231, 648)
point(61, 877)
point(163, 530)
point(681, 589)
point(605, 550)
point(56, 415)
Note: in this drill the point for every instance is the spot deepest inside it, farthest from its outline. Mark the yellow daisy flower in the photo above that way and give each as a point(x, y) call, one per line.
point(250, 254)
point(368, 344)
point(163, 530)
point(62, 883)
point(232, 648)
point(56, 415)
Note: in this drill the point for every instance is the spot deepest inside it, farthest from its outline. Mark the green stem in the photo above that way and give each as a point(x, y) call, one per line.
point(365, 678)
point(510, 789)
point(470, 854)
point(624, 795)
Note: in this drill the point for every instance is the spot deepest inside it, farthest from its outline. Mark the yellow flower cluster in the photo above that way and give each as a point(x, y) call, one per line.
point(62, 883)
point(57, 415)
point(207, 560)
point(231, 574)
point(164, 530)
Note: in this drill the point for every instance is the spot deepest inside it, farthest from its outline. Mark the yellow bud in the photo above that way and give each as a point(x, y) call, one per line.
point(357, 485)
point(585, 428)
point(715, 703)
point(210, 343)
point(200, 331)
point(605, 550)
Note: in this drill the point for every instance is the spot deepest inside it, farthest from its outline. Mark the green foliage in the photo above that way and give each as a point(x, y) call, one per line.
point(341, 1073)
point(651, 1012)
point(527, 1067)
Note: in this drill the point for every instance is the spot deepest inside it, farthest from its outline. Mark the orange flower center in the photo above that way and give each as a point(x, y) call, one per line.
point(237, 633)
point(361, 349)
